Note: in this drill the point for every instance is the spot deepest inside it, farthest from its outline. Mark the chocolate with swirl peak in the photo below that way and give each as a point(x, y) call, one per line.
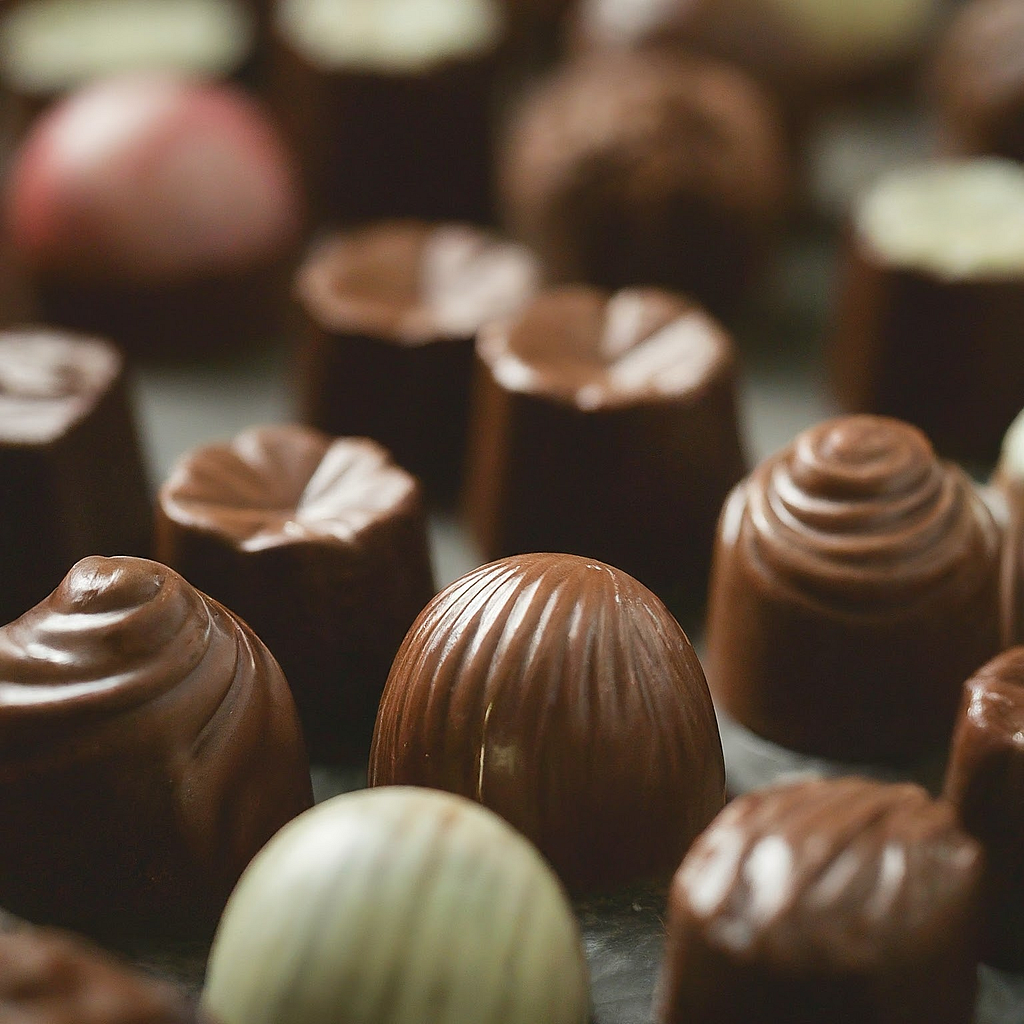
point(855, 585)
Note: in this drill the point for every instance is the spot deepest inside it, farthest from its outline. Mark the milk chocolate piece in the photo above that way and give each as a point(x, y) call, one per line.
point(842, 900)
point(855, 585)
point(390, 314)
point(321, 546)
point(560, 693)
point(148, 748)
point(985, 780)
point(70, 460)
point(647, 170)
point(929, 323)
point(605, 425)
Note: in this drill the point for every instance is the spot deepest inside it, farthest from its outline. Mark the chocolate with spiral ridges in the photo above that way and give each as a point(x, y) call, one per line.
point(855, 586)
point(149, 746)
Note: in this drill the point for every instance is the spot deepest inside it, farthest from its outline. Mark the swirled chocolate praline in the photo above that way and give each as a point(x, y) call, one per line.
point(149, 746)
point(843, 900)
point(559, 692)
point(855, 585)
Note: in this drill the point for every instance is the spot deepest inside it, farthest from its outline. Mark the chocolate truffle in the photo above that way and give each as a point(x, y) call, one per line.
point(390, 313)
point(844, 900)
point(605, 425)
point(978, 81)
point(647, 170)
point(149, 747)
point(70, 460)
point(389, 103)
point(321, 546)
point(930, 324)
point(985, 781)
point(855, 586)
point(560, 693)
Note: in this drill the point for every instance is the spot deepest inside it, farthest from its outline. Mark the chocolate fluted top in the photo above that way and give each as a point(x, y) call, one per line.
point(49, 381)
point(274, 486)
point(596, 350)
point(413, 282)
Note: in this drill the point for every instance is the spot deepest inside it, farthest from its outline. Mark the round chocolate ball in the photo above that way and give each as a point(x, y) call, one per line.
point(559, 692)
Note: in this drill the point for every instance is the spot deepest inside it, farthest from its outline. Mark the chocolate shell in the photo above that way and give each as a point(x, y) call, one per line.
point(605, 425)
point(855, 585)
point(321, 546)
point(560, 693)
point(148, 748)
point(845, 900)
point(985, 781)
point(74, 482)
point(390, 314)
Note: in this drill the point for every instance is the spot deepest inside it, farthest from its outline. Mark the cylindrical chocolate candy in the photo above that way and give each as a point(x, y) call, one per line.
point(855, 586)
point(561, 693)
point(74, 481)
point(149, 747)
point(605, 425)
point(842, 900)
point(930, 324)
point(390, 313)
point(321, 546)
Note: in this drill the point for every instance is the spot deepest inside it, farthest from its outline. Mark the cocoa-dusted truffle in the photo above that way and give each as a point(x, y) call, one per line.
point(73, 477)
point(929, 325)
point(560, 693)
point(985, 780)
point(321, 546)
point(390, 314)
point(647, 170)
point(605, 425)
point(854, 588)
point(842, 900)
point(148, 748)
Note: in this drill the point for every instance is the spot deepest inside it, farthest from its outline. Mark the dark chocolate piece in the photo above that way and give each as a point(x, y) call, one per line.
point(321, 546)
point(647, 170)
point(148, 748)
point(390, 315)
point(844, 900)
point(70, 460)
point(854, 587)
point(985, 781)
point(560, 693)
point(605, 425)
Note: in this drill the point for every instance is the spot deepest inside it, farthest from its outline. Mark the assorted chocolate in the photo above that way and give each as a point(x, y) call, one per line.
point(320, 545)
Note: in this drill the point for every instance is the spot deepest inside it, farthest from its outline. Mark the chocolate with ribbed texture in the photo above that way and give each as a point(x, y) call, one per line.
point(148, 748)
point(320, 545)
point(560, 693)
point(842, 900)
point(854, 587)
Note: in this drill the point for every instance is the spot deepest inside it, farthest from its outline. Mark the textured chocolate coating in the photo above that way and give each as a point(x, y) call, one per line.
point(646, 170)
point(73, 477)
point(985, 780)
point(148, 748)
point(560, 693)
point(854, 587)
point(605, 425)
point(843, 900)
point(321, 546)
point(390, 314)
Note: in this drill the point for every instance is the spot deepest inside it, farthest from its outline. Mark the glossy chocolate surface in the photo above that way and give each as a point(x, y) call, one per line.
point(841, 900)
point(73, 477)
point(148, 748)
point(560, 693)
point(605, 425)
point(320, 545)
point(646, 170)
point(985, 780)
point(855, 585)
